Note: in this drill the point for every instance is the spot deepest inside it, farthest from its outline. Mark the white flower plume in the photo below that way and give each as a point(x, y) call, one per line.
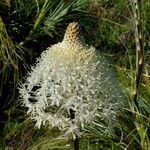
point(71, 76)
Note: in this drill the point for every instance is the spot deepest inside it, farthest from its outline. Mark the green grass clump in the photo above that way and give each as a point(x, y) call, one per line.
point(28, 28)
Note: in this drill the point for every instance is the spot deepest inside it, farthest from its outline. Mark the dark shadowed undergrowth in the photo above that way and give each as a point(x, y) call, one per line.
point(28, 28)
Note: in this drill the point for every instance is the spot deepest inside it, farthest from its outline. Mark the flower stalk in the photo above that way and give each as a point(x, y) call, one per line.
point(74, 143)
point(139, 50)
point(141, 129)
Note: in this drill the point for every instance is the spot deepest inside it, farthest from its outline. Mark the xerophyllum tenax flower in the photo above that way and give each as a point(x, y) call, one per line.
point(70, 75)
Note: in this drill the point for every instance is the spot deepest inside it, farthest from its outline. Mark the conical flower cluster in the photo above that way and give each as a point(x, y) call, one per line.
point(71, 76)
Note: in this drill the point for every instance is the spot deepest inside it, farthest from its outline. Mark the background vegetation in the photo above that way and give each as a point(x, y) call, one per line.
point(28, 27)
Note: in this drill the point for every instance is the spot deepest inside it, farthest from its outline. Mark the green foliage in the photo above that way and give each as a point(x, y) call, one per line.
point(8, 60)
point(29, 27)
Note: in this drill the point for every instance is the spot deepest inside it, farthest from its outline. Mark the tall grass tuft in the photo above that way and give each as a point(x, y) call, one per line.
point(9, 71)
point(27, 28)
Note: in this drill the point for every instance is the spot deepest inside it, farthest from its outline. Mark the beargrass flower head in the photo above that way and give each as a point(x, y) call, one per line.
point(71, 76)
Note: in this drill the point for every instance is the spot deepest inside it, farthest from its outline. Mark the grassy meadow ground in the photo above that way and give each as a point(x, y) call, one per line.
point(27, 28)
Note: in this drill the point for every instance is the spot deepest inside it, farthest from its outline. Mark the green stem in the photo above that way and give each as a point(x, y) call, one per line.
point(37, 22)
